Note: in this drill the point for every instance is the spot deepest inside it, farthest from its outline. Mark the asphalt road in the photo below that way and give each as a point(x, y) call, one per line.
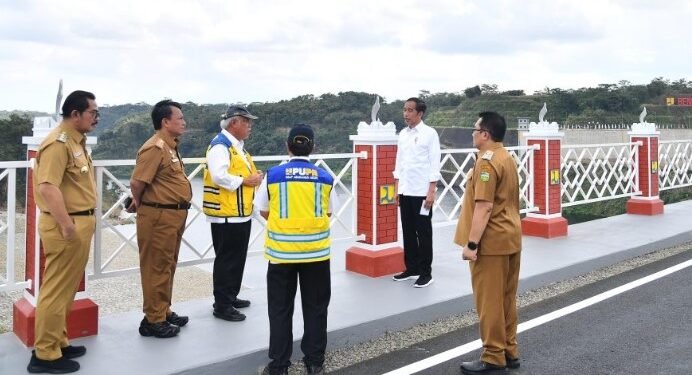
point(646, 330)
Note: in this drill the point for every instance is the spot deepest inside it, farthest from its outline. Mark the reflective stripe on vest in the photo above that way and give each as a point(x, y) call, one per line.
point(220, 202)
point(298, 225)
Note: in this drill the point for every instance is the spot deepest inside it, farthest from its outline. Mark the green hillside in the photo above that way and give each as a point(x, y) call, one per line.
point(123, 128)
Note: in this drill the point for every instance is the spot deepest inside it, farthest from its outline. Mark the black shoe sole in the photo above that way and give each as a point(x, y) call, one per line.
point(149, 333)
point(229, 318)
point(48, 370)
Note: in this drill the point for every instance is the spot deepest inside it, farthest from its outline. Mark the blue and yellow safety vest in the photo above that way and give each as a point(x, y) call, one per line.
point(298, 224)
point(220, 202)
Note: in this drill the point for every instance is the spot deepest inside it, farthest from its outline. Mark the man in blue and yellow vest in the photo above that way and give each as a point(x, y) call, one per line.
point(297, 199)
point(230, 179)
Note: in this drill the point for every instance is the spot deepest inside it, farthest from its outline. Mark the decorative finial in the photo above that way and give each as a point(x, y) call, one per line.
point(58, 100)
point(642, 116)
point(375, 109)
point(542, 113)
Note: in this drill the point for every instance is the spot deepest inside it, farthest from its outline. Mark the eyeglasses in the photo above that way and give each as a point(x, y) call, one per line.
point(95, 113)
point(478, 130)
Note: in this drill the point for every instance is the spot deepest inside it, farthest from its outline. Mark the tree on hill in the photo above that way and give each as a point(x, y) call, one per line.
point(335, 116)
point(472, 92)
point(12, 130)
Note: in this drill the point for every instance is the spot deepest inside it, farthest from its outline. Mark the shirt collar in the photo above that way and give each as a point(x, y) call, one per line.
point(415, 128)
point(170, 141)
point(305, 158)
point(72, 133)
point(493, 146)
point(234, 141)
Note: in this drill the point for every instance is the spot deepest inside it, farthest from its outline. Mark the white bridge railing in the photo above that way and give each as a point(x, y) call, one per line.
point(590, 173)
point(115, 255)
point(455, 166)
point(598, 172)
point(12, 259)
point(674, 164)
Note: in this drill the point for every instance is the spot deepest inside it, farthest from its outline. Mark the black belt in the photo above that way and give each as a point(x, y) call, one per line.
point(172, 206)
point(78, 213)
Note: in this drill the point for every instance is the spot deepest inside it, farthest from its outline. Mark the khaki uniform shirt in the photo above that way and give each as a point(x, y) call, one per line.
point(159, 166)
point(63, 161)
point(493, 179)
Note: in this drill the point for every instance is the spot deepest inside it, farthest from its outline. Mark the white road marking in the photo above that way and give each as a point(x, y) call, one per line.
point(473, 345)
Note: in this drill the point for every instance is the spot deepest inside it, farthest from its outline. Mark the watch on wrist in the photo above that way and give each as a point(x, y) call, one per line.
point(472, 245)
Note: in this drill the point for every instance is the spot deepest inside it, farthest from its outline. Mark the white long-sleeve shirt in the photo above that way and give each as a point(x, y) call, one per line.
point(417, 160)
point(218, 161)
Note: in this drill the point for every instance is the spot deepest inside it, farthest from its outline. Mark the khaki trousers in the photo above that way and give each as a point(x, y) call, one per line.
point(495, 279)
point(64, 269)
point(159, 233)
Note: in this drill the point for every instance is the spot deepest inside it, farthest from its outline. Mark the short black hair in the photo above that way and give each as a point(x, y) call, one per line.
point(301, 140)
point(76, 101)
point(163, 110)
point(494, 123)
point(420, 104)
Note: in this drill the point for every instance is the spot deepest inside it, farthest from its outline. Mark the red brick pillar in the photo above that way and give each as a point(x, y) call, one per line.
point(648, 203)
point(376, 212)
point(83, 317)
point(548, 221)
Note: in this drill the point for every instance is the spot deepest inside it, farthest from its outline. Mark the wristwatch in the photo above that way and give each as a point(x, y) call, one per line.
point(472, 245)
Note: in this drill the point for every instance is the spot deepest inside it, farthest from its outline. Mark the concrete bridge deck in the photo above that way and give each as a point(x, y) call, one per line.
point(362, 308)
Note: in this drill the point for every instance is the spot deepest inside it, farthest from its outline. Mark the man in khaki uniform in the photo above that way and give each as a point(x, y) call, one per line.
point(489, 230)
point(65, 192)
point(161, 195)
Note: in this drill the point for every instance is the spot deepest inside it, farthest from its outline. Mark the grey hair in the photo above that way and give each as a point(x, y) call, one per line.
point(224, 123)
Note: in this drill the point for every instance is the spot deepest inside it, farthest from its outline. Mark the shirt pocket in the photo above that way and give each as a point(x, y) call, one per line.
point(173, 169)
point(78, 166)
point(420, 150)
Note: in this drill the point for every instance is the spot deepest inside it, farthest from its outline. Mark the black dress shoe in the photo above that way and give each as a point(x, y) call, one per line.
point(240, 303)
point(178, 320)
point(480, 367)
point(61, 365)
point(512, 363)
point(229, 313)
point(162, 330)
point(315, 369)
point(73, 351)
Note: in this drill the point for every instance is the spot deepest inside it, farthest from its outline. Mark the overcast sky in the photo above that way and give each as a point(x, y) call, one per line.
point(225, 51)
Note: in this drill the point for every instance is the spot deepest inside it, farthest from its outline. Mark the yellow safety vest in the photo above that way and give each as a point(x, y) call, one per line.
point(220, 202)
point(298, 224)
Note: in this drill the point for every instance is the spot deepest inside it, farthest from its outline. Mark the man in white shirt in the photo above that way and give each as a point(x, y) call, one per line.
point(230, 179)
point(417, 171)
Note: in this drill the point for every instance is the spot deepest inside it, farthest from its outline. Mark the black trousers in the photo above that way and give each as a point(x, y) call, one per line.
point(417, 230)
point(315, 292)
point(230, 245)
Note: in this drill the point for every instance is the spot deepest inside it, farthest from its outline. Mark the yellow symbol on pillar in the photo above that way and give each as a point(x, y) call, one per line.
point(554, 176)
point(654, 167)
point(670, 101)
point(387, 194)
